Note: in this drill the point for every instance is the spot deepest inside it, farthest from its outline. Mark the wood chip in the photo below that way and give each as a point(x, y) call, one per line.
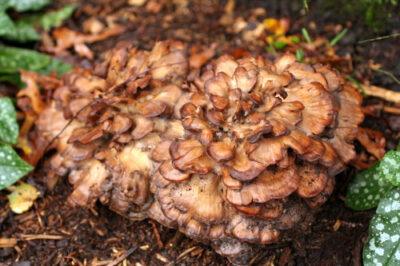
point(161, 258)
point(8, 242)
point(337, 225)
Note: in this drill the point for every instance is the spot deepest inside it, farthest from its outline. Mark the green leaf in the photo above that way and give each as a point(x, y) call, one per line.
point(383, 246)
point(338, 37)
point(26, 5)
point(12, 167)
point(370, 185)
point(21, 32)
point(390, 167)
point(295, 39)
point(366, 190)
point(8, 122)
point(25, 29)
point(299, 55)
point(306, 35)
point(13, 79)
point(6, 24)
point(56, 18)
point(13, 59)
point(279, 45)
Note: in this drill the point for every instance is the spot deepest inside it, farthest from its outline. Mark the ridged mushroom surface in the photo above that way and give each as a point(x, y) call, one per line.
point(240, 151)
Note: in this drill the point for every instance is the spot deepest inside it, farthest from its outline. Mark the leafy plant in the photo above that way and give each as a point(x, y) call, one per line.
point(379, 187)
point(12, 168)
point(12, 59)
point(28, 27)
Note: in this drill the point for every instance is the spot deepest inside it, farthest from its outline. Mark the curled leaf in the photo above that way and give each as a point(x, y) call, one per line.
point(22, 198)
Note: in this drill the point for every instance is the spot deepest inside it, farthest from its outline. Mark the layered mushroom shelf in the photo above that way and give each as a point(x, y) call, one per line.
point(241, 151)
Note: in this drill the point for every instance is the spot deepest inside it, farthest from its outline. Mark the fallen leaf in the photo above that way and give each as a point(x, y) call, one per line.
point(31, 91)
point(66, 38)
point(22, 198)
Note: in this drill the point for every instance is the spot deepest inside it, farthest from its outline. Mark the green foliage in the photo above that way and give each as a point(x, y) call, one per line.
point(25, 5)
point(299, 55)
point(55, 18)
point(338, 37)
point(306, 35)
point(13, 59)
point(369, 186)
point(383, 246)
point(12, 167)
point(8, 122)
point(27, 28)
point(380, 186)
point(279, 45)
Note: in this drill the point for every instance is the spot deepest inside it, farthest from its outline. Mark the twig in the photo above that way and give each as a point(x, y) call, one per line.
point(391, 110)
point(122, 257)
point(395, 35)
point(29, 237)
point(387, 73)
point(187, 251)
point(388, 95)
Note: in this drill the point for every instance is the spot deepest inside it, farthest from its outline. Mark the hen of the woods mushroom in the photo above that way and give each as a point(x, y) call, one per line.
point(241, 151)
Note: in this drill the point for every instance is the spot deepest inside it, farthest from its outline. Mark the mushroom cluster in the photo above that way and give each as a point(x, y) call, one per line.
point(240, 151)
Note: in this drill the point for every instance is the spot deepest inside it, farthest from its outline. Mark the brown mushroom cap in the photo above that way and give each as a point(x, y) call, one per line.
point(240, 150)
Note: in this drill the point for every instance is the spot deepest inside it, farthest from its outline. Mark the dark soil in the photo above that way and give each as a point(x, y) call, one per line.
point(98, 236)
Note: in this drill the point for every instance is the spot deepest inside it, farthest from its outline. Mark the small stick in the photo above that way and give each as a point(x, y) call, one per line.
point(380, 38)
point(391, 110)
point(122, 257)
point(388, 95)
point(29, 237)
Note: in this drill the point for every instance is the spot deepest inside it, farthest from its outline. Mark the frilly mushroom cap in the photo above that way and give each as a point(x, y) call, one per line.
point(240, 151)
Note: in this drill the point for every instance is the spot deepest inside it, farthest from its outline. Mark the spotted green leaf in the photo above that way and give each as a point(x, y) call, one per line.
point(21, 32)
point(8, 122)
point(12, 167)
point(370, 185)
point(383, 246)
point(390, 167)
point(13, 59)
point(26, 5)
point(6, 24)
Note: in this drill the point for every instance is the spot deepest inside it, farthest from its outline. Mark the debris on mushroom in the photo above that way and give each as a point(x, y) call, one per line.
point(238, 151)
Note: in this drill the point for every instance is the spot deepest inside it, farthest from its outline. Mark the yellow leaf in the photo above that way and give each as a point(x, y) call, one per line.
point(22, 198)
point(271, 24)
point(270, 39)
